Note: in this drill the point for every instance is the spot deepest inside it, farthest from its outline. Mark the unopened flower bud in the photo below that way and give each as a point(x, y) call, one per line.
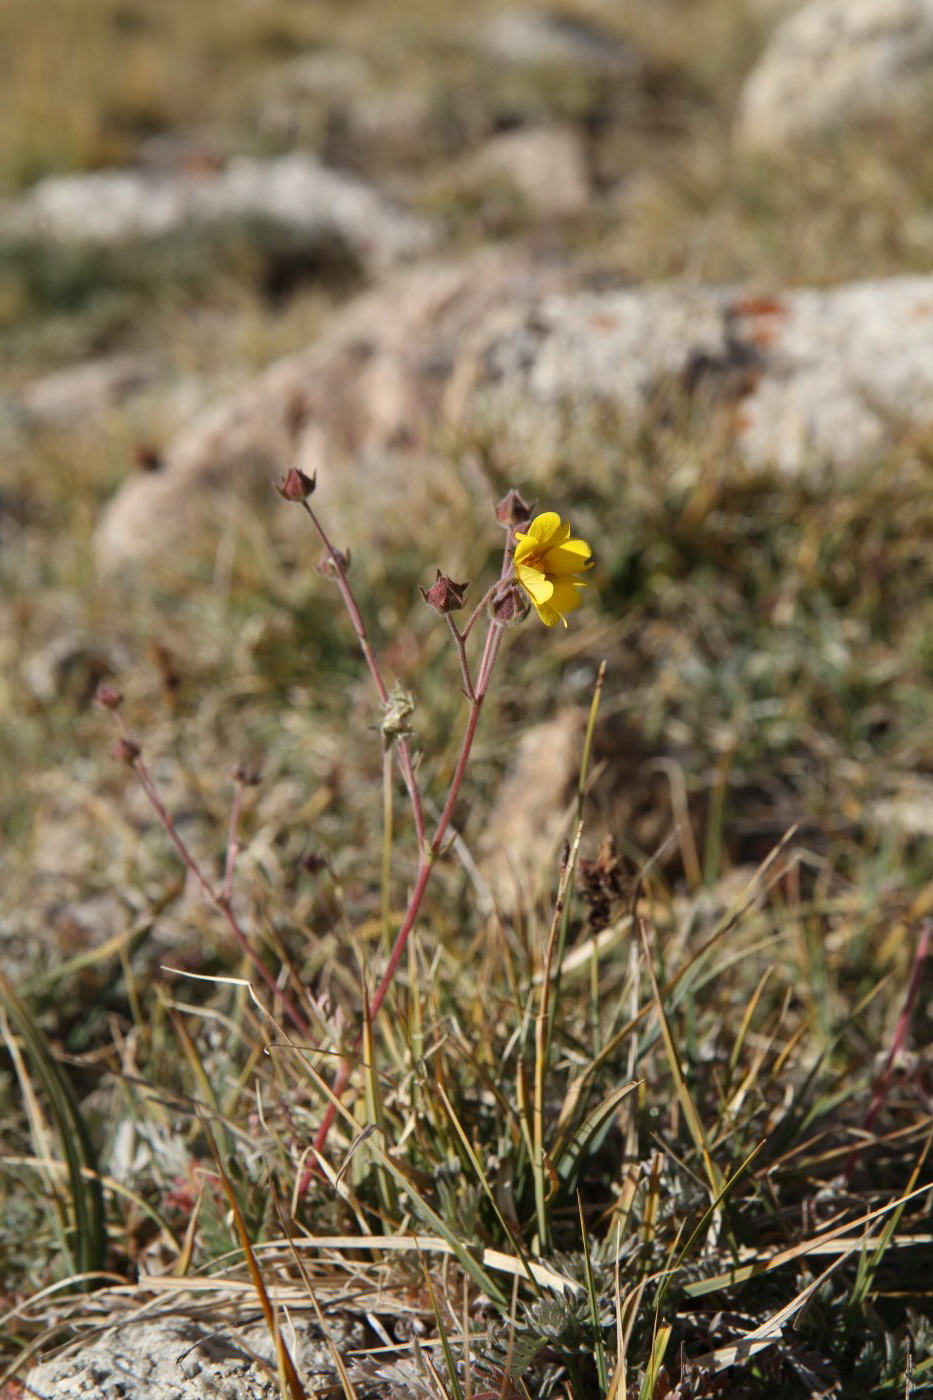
point(108, 697)
point(444, 595)
point(509, 605)
point(313, 862)
point(512, 510)
point(126, 752)
point(338, 561)
point(295, 486)
point(246, 777)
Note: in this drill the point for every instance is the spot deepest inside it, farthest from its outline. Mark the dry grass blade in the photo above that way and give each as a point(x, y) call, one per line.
point(835, 1241)
point(295, 1389)
point(714, 1176)
point(769, 1331)
point(541, 1165)
point(455, 1391)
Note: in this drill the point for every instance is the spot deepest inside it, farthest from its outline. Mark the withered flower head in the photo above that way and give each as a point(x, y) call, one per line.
point(444, 595)
point(295, 486)
point(512, 510)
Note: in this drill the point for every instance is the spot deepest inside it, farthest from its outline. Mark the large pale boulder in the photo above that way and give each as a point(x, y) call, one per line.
point(296, 191)
point(71, 395)
point(834, 60)
point(510, 352)
point(813, 379)
point(360, 406)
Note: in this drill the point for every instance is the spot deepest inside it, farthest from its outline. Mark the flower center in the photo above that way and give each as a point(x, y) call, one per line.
point(535, 561)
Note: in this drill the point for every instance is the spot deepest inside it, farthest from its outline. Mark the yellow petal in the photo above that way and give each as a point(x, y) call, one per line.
point(538, 588)
point(568, 558)
point(526, 545)
point(565, 595)
point(548, 615)
point(547, 529)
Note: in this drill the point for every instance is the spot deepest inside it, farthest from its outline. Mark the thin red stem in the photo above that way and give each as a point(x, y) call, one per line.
point(460, 644)
point(233, 840)
point(221, 901)
point(356, 617)
point(425, 867)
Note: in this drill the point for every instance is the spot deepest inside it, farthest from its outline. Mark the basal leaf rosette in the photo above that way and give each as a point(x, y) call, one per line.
point(547, 564)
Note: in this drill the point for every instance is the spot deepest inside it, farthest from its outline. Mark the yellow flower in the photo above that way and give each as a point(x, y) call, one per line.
point(546, 560)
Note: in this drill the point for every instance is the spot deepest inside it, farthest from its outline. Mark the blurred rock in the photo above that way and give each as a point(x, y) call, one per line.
point(545, 166)
point(396, 122)
point(84, 390)
point(295, 190)
point(323, 73)
point(807, 381)
point(70, 667)
point(301, 95)
point(539, 38)
point(496, 345)
point(909, 811)
point(835, 60)
point(360, 406)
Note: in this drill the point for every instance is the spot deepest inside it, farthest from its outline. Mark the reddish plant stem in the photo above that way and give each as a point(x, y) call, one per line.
point(477, 612)
point(233, 839)
point(356, 617)
point(220, 901)
point(460, 644)
point(425, 867)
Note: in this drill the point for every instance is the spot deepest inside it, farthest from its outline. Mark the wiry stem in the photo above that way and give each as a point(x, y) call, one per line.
point(233, 838)
point(356, 617)
point(425, 866)
point(460, 644)
point(221, 900)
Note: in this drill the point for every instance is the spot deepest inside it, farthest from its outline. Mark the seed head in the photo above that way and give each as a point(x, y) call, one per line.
point(295, 486)
point(444, 595)
point(512, 510)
